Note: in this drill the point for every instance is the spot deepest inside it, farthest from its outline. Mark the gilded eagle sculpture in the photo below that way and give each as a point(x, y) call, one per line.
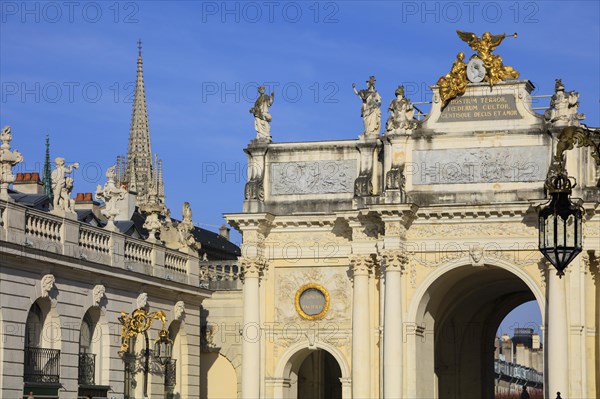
point(488, 66)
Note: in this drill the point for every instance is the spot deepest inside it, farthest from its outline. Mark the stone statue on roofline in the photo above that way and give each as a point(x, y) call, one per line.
point(180, 235)
point(110, 194)
point(563, 107)
point(370, 109)
point(402, 113)
point(8, 159)
point(62, 186)
point(262, 117)
point(185, 228)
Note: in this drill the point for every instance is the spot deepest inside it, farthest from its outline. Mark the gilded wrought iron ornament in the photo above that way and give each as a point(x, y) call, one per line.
point(455, 83)
point(139, 321)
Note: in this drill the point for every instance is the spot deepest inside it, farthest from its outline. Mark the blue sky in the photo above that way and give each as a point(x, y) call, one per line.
point(68, 69)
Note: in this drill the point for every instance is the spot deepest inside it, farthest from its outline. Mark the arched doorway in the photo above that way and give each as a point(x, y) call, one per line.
point(41, 371)
point(312, 374)
point(456, 321)
point(319, 377)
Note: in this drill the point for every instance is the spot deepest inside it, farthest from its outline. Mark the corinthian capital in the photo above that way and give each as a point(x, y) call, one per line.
point(252, 267)
point(361, 264)
point(395, 260)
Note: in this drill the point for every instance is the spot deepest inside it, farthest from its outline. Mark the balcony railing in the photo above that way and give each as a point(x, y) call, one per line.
point(87, 368)
point(42, 365)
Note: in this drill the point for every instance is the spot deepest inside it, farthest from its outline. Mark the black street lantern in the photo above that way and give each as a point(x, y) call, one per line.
point(163, 347)
point(560, 224)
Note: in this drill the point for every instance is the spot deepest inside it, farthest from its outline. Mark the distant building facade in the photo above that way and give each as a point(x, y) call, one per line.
point(518, 363)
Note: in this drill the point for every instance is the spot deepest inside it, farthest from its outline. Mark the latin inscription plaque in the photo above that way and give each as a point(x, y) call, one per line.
point(480, 165)
point(316, 177)
point(480, 108)
point(312, 301)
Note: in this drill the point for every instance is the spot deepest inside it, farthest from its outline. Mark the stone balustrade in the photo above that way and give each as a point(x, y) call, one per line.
point(34, 231)
point(220, 275)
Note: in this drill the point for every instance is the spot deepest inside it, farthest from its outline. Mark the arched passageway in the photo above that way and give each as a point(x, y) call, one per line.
point(319, 377)
point(457, 318)
point(312, 374)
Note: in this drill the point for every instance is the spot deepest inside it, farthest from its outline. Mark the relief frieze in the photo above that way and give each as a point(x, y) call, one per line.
point(313, 177)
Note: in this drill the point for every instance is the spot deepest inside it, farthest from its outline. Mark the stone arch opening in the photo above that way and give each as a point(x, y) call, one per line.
point(456, 319)
point(312, 373)
point(176, 380)
point(42, 348)
point(94, 354)
point(218, 377)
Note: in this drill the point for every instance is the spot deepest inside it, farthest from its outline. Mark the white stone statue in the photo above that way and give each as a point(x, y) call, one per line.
point(262, 118)
point(47, 283)
point(563, 107)
point(110, 194)
point(98, 293)
point(179, 310)
point(401, 114)
point(371, 108)
point(185, 229)
point(62, 185)
point(8, 159)
point(142, 301)
point(153, 225)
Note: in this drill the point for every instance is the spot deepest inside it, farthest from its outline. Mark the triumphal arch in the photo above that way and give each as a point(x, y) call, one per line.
point(382, 266)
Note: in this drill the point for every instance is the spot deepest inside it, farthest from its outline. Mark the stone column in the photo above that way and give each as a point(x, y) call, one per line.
point(395, 262)
point(251, 333)
point(346, 388)
point(557, 338)
point(361, 327)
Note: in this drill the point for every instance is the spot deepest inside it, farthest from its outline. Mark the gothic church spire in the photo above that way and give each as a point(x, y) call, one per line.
point(138, 170)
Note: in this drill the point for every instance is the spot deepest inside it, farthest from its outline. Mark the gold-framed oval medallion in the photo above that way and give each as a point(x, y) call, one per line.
point(312, 301)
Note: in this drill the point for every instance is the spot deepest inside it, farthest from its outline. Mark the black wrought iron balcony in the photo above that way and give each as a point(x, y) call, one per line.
point(42, 365)
point(87, 368)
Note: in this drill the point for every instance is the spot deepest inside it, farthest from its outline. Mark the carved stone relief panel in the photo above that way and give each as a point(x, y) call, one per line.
point(313, 177)
point(480, 165)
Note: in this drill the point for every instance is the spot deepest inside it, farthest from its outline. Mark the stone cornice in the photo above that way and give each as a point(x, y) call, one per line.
point(476, 211)
point(250, 221)
point(35, 260)
point(304, 221)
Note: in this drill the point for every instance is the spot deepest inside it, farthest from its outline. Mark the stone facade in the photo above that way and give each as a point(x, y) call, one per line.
point(70, 269)
point(416, 274)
